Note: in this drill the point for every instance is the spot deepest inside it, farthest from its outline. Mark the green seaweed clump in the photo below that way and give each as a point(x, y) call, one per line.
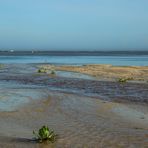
point(122, 80)
point(42, 70)
point(53, 72)
point(45, 134)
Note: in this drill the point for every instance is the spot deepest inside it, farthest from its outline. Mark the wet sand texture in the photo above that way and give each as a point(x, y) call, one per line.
point(79, 115)
point(107, 71)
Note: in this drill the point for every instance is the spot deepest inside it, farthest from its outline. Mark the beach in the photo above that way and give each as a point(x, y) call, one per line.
point(86, 105)
point(73, 74)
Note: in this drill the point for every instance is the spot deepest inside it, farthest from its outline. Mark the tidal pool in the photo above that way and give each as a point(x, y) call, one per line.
point(68, 74)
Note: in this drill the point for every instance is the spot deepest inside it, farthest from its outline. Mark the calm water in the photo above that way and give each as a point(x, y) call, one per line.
point(141, 60)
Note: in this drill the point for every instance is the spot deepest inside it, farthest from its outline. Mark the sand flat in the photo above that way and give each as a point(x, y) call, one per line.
point(80, 116)
point(74, 117)
point(106, 71)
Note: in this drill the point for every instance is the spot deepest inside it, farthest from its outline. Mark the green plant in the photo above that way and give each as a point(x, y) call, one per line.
point(122, 80)
point(42, 70)
point(45, 134)
point(53, 72)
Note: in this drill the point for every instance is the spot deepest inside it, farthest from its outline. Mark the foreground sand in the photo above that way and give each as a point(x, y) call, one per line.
point(81, 119)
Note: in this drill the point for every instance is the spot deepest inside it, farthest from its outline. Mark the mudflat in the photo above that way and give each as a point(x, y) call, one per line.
point(84, 105)
point(102, 71)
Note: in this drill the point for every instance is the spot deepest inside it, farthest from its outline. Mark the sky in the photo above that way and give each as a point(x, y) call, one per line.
point(74, 24)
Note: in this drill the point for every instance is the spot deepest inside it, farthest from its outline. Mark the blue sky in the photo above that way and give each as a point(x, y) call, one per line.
point(74, 24)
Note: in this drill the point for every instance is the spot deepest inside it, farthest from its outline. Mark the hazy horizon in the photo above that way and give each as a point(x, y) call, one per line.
point(101, 50)
point(109, 25)
point(76, 50)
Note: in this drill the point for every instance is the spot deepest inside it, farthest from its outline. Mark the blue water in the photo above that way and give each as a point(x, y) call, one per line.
point(114, 60)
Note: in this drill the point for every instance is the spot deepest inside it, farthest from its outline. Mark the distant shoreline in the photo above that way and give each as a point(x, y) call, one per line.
point(72, 53)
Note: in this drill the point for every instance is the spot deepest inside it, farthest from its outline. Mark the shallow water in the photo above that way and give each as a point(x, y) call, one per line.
point(78, 60)
point(68, 74)
point(74, 82)
point(13, 95)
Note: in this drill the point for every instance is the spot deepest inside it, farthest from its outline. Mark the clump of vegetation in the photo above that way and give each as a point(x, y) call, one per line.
point(124, 80)
point(42, 70)
point(45, 134)
point(53, 72)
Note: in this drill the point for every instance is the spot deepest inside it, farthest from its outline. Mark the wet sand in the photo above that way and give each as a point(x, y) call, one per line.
point(107, 72)
point(83, 112)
